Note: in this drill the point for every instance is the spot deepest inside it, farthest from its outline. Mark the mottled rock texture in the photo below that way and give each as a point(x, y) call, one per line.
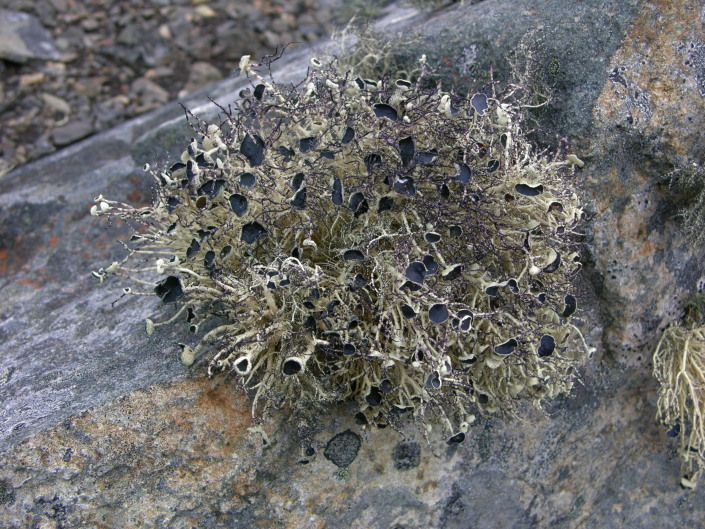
point(22, 38)
point(101, 427)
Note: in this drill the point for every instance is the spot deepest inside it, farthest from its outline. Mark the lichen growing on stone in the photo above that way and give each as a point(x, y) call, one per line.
point(689, 183)
point(679, 366)
point(369, 240)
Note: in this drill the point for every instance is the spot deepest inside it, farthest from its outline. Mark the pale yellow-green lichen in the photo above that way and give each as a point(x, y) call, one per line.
point(679, 366)
point(368, 240)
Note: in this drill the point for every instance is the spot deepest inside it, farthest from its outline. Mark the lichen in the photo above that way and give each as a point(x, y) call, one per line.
point(688, 182)
point(371, 240)
point(679, 366)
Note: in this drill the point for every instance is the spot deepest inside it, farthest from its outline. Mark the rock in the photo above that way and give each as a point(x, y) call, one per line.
point(201, 74)
point(110, 112)
point(56, 105)
point(148, 94)
point(90, 86)
point(204, 11)
point(23, 38)
point(92, 408)
point(71, 132)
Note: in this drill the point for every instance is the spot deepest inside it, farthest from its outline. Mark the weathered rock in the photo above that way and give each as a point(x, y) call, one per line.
point(102, 427)
point(22, 38)
point(201, 74)
point(71, 132)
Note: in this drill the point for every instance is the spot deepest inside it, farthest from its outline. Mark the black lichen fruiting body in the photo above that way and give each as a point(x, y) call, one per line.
point(169, 289)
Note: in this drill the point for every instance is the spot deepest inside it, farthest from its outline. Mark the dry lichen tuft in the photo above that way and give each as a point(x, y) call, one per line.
point(679, 366)
point(368, 240)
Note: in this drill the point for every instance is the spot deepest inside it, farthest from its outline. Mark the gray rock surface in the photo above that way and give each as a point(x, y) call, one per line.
point(22, 38)
point(102, 427)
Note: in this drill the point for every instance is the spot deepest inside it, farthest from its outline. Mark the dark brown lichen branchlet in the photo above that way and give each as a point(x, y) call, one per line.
point(369, 240)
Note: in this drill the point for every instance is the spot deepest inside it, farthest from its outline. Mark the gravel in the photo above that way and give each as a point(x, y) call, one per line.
point(109, 63)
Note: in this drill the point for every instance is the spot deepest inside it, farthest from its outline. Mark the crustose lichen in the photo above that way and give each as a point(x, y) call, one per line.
point(368, 240)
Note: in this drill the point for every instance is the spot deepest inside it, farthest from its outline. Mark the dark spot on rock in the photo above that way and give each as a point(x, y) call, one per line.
point(259, 92)
point(342, 449)
point(406, 455)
